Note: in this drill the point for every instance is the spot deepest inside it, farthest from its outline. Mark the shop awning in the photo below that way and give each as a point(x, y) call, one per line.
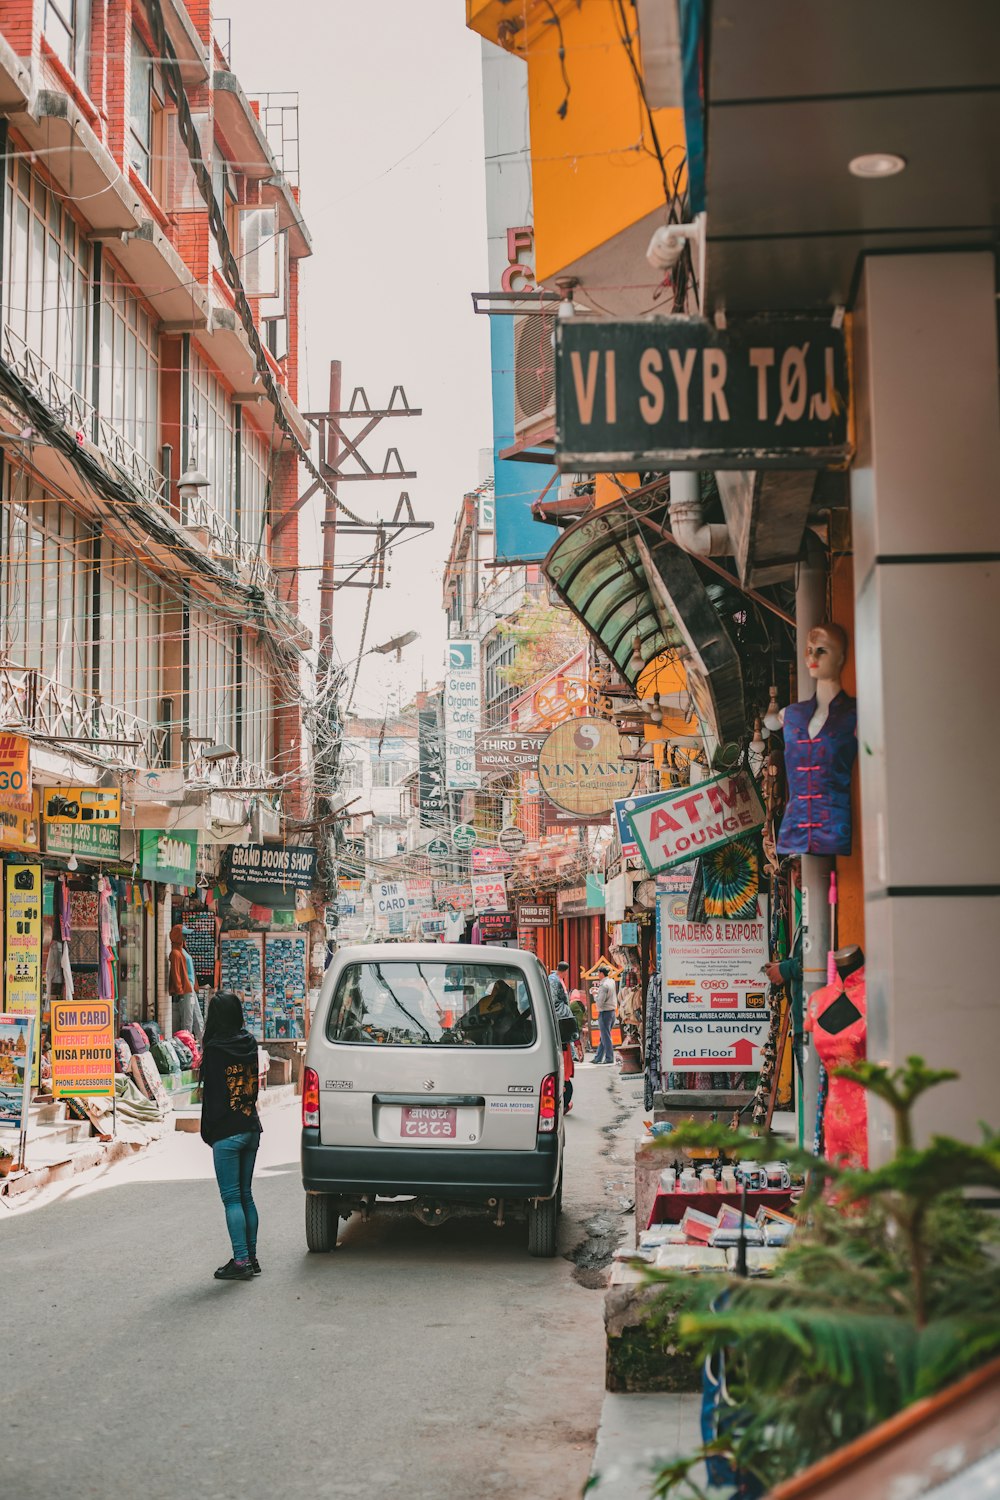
point(622, 575)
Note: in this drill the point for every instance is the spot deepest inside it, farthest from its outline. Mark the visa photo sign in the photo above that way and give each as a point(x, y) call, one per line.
point(690, 820)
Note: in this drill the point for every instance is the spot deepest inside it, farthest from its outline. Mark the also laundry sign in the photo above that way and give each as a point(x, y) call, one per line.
point(691, 820)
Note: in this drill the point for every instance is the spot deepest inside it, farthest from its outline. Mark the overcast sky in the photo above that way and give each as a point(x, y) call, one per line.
point(393, 194)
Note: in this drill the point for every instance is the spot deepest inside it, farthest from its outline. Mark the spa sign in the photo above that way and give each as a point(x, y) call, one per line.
point(690, 820)
point(680, 393)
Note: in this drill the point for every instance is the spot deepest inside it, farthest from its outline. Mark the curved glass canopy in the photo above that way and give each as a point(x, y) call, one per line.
point(621, 573)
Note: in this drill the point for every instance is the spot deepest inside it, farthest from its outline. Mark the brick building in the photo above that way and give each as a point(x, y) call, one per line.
point(149, 634)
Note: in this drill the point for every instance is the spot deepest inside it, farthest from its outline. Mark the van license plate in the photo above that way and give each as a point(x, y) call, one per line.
point(425, 1121)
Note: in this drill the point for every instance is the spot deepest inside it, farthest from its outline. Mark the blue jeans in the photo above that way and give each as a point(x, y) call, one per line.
point(605, 1052)
point(234, 1161)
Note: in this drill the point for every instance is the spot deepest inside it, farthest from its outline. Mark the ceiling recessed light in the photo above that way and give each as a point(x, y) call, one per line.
point(877, 164)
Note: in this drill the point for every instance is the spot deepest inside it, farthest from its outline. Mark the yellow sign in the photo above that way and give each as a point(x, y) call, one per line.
point(15, 773)
point(18, 825)
point(83, 1048)
point(603, 966)
point(81, 804)
point(581, 767)
point(22, 968)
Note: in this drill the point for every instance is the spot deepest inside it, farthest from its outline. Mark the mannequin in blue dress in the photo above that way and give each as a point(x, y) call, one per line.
point(821, 745)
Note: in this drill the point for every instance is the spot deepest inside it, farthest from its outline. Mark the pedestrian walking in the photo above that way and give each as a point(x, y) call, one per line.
point(606, 1000)
point(183, 985)
point(561, 1005)
point(231, 1126)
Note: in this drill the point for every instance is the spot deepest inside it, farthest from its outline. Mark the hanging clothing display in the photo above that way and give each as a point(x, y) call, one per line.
point(837, 1017)
point(731, 880)
point(107, 935)
point(817, 818)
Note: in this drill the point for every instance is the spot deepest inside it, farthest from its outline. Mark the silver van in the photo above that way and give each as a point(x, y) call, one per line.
point(434, 1080)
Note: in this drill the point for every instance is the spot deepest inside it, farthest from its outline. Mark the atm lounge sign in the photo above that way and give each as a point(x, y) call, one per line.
point(692, 820)
point(680, 393)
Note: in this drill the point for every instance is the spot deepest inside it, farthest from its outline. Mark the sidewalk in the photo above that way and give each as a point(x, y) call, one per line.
point(637, 1433)
point(59, 1148)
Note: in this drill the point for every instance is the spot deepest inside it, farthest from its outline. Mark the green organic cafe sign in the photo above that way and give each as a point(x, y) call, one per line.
point(169, 856)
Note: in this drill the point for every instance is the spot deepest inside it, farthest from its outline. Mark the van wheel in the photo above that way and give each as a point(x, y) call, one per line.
point(543, 1219)
point(322, 1220)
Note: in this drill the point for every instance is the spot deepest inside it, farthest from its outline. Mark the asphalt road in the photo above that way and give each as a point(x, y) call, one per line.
point(430, 1364)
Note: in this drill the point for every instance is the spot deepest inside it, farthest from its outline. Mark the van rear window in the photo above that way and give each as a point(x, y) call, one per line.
point(432, 1005)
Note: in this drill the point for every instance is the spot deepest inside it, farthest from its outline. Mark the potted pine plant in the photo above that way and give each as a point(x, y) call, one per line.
point(889, 1292)
point(6, 1161)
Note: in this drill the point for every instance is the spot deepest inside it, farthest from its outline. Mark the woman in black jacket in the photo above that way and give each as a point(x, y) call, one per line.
point(230, 1125)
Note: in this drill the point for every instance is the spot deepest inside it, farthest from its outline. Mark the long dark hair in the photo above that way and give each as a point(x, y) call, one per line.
point(225, 1017)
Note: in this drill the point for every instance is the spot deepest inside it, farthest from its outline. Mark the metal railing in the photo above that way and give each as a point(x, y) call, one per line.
point(31, 701)
point(82, 418)
point(77, 414)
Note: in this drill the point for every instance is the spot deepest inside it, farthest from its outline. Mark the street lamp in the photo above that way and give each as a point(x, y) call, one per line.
point(396, 644)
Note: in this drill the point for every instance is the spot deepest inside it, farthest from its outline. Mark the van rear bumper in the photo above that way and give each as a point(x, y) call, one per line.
point(445, 1172)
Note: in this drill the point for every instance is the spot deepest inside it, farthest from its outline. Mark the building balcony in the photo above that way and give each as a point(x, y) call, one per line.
point(152, 264)
point(15, 79)
point(189, 49)
point(54, 126)
point(223, 542)
point(81, 418)
point(238, 122)
point(37, 705)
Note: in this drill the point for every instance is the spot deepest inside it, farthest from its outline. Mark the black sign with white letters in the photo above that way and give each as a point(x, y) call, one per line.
point(679, 393)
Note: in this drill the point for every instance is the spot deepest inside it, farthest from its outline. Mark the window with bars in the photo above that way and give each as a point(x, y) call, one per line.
point(258, 703)
point(391, 772)
point(254, 464)
point(45, 587)
point(130, 365)
point(213, 673)
point(46, 281)
point(130, 639)
point(212, 436)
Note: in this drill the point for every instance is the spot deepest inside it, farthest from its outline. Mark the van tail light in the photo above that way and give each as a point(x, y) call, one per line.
point(310, 1099)
point(548, 1104)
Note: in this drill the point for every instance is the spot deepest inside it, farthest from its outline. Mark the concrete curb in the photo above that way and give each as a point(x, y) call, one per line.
point(86, 1158)
point(636, 1435)
point(90, 1156)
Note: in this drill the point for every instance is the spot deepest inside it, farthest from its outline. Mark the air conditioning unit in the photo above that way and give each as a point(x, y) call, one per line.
point(534, 377)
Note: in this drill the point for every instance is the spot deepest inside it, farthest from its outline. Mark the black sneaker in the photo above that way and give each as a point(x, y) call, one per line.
point(233, 1271)
point(255, 1265)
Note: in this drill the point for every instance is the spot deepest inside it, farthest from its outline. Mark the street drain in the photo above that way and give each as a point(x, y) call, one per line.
point(593, 1255)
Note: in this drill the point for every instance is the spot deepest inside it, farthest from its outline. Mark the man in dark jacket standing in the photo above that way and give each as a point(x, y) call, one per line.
point(231, 1126)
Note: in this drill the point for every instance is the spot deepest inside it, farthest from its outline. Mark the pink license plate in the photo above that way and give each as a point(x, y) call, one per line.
point(429, 1122)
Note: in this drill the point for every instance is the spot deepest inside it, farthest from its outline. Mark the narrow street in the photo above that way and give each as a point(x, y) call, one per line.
point(436, 1364)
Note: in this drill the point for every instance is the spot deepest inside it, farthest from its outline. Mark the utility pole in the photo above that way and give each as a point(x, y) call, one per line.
point(331, 458)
